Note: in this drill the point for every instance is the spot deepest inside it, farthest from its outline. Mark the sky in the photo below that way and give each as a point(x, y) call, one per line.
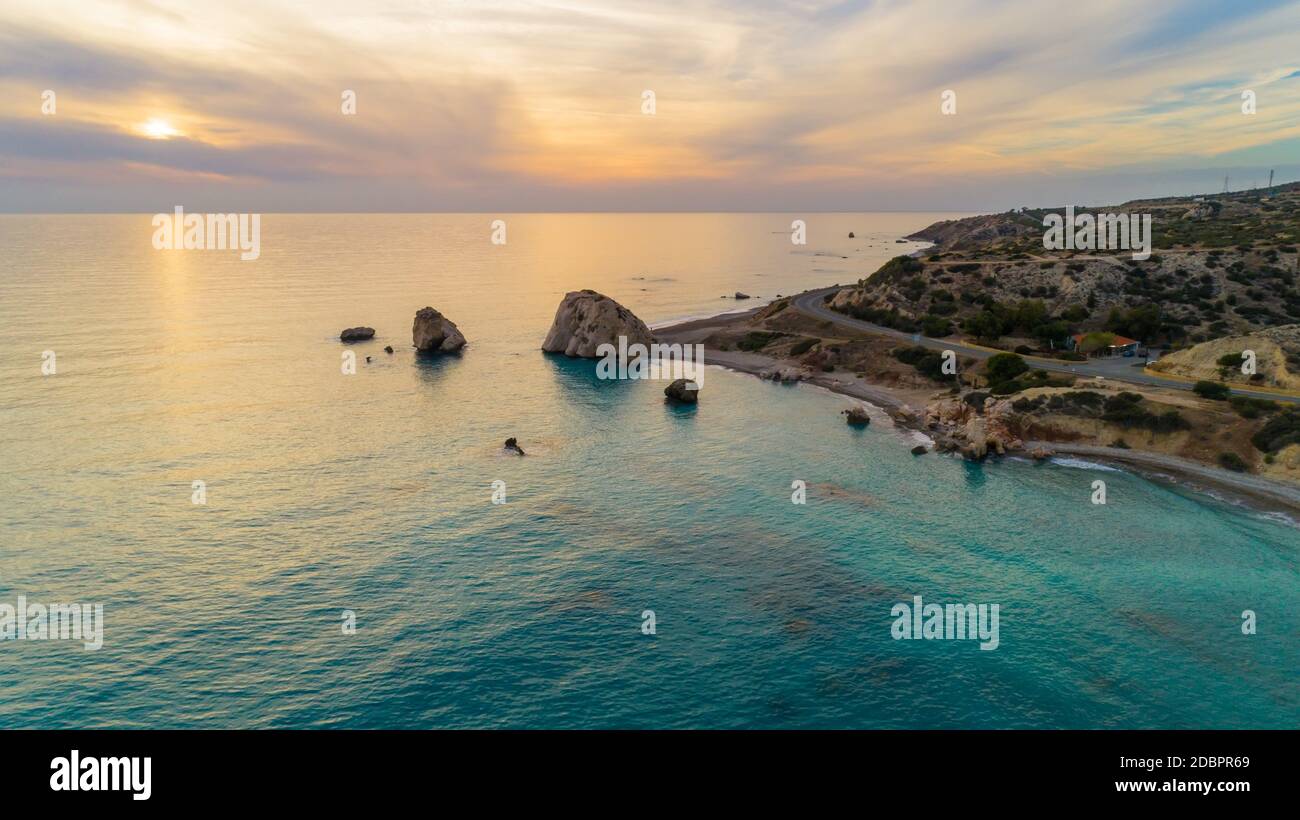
point(513, 105)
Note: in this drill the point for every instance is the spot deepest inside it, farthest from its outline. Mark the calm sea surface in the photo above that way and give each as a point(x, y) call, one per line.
point(372, 493)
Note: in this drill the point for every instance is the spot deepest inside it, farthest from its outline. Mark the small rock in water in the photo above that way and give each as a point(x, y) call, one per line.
point(357, 334)
point(919, 450)
point(857, 416)
point(367, 359)
point(388, 349)
point(851, 236)
point(512, 444)
point(681, 390)
point(740, 295)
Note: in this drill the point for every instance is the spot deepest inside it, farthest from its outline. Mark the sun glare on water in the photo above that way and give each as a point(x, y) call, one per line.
point(156, 129)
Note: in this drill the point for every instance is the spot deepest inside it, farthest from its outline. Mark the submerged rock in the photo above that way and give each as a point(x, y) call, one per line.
point(684, 391)
point(586, 319)
point(357, 334)
point(919, 450)
point(857, 416)
point(435, 333)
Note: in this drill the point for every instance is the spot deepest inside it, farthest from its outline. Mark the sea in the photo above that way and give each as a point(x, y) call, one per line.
point(276, 542)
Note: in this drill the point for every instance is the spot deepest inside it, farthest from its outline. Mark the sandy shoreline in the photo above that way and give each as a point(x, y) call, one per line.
point(1253, 491)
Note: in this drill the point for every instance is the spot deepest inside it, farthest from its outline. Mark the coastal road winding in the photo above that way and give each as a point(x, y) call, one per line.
point(812, 304)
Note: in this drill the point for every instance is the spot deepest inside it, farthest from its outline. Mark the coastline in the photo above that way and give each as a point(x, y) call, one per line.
point(1251, 491)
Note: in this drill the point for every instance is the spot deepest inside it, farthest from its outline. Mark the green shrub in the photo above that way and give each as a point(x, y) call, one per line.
point(1006, 388)
point(936, 326)
point(890, 318)
point(896, 270)
point(1232, 461)
point(927, 362)
point(758, 339)
point(1003, 367)
point(1278, 432)
point(1027, 405)
point(1252, 408)
point(1215, 391)
point(1126, 410)
point(803, 346)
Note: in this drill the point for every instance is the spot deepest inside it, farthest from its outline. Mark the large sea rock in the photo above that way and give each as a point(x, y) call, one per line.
point(586, 319)
point(435, 333)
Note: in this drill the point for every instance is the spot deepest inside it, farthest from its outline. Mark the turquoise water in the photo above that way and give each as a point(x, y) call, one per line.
point(372, 493)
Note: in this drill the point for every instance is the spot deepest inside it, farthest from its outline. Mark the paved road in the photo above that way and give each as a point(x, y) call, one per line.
point(811, 304)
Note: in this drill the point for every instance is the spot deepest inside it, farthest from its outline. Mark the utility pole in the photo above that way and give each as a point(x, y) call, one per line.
point(1270, 179)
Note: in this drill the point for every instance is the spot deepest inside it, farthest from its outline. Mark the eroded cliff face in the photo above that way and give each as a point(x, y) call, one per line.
point(961, 425)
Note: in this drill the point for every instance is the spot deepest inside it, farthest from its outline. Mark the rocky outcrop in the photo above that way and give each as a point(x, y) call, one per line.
point(586, 319)
point(785, 375)
point(961, 426)
point(357, 334)
point(1274, 349)
point(681, 390)
point(903, 415)
point(857, 416)
point(435, 333)
point(977, 230)
point(948, 413)
point(1202, 210)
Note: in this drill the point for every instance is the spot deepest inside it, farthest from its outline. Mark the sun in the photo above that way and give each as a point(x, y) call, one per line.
point(157, 129)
